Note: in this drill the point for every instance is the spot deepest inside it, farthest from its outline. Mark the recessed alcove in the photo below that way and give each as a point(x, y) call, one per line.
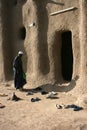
point(22, 33)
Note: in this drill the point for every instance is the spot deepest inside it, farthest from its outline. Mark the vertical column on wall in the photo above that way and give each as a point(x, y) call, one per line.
point(83, 44)
point(41, 61)
point(32, 40)
point(7, 37)
point(1, 53)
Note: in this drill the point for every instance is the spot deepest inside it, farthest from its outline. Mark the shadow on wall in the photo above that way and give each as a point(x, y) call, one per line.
point(8, 35)
point(56, 56)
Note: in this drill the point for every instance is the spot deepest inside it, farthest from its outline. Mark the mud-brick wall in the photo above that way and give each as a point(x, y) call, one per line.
point(59, 23)
point(43, 39)
point(38, 68)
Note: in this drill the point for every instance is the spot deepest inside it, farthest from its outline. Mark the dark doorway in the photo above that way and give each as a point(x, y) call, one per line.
point(67, 56)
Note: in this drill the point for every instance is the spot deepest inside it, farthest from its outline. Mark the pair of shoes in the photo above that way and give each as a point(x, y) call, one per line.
point(52, 96)
point(70, 106)
point(54, 93)
point(3, 95)
point(58, 106)
point(77, 108)
point(1, 105)
point(35, 99)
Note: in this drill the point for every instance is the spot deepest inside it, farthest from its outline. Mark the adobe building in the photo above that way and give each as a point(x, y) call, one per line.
point(53, 37)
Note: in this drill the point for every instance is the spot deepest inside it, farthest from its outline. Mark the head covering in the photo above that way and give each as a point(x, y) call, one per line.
point(20, 53)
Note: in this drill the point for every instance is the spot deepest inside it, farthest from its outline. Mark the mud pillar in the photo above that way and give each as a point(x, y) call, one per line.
point(40, 46)
point(83, 44)
point(1, 50)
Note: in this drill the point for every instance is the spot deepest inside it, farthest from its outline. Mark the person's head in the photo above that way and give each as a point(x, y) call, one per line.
point(20, 53)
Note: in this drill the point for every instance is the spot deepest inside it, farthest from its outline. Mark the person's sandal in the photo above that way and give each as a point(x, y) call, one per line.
point(1, 105)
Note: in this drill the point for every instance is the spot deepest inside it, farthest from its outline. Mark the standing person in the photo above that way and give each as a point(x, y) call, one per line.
point(19, 80)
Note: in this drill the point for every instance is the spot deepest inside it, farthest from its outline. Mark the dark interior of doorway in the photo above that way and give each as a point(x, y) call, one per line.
point(67, 56)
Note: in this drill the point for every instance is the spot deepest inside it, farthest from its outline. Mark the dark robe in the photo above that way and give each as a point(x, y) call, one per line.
point(19, 81)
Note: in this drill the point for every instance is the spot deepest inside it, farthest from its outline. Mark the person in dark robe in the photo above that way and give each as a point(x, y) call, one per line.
point(19, 80)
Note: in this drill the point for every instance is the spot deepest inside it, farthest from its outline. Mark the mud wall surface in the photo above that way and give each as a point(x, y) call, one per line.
point(58, 24)
point(43, 40)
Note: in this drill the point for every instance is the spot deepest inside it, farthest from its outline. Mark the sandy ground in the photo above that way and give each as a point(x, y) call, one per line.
point(41, 115)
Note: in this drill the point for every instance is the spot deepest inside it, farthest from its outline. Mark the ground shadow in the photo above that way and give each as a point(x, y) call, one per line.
point(34, 90)
point(70, 86)
point(54, 87)
point(60, 87)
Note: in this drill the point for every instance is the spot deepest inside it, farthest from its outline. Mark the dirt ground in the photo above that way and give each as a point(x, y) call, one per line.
point(40, 115)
